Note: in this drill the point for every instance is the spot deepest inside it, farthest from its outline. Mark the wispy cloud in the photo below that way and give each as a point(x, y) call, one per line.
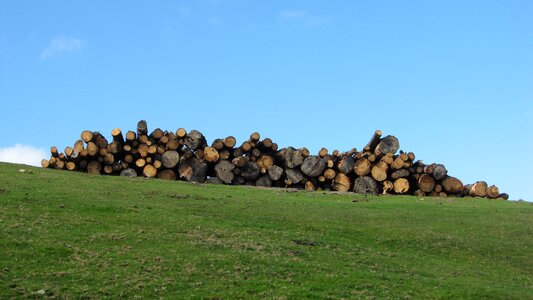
point(22, 154)
point(302, 17)
point(61, 44)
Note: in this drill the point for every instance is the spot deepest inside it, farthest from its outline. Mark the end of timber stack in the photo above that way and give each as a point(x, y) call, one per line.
point(182, 155)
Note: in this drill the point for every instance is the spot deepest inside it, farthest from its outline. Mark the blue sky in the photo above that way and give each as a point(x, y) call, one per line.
point(453, 80)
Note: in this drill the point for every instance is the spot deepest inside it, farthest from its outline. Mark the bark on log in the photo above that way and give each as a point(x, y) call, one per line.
point(365, 185)
point(292, 157)
point(167, 175)
point(250, 171)
point(211, 154)
point(275, 172)
point(439, 172)
point(264, 181)
point(142, 128)
point(402, 173)
point(195, 140)
point(294, 176)
point(94, 167)
point(224, 171)
point(86, 136)
point(230, 142)
point(128, 172)
point(346, 164)
point(192, 169)
point(313, 166)
point(493, 192)
point(374, 141)
point(117, 135)
point(388, 144)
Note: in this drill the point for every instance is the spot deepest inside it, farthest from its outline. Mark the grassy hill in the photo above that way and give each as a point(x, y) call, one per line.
point(71, 235)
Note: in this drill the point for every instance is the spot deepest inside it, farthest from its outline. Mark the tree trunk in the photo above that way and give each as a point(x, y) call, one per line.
point(195, 140)
point(128, 173)
point(292, 157)
point(264, 181)
point(167, 175)
point(192, 169)
point(294, 176)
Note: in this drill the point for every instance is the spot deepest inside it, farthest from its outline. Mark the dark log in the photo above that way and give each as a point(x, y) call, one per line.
point(346, 164)
point(374, 141)
point(292, 157)
point(192, 169)
point(128, 172)
point(250, 171)
point(218, 144)
point(388, 144)
point(94, 167)
point(195, 140)
point(264, 181)
point(365, 185)
point(142, 128)
point(275, 172)
point(214, 180)
point(294, 176)
point(503, 196)
point(402, 173)
point(313, 166)
point(439, 172)
point(224, 171)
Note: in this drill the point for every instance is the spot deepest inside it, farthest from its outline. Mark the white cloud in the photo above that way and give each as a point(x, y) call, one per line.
point(292, 14)
point(23, 154)
point(61, 44)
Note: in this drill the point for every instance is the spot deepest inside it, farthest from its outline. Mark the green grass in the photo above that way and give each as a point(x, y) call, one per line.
point(71, 235)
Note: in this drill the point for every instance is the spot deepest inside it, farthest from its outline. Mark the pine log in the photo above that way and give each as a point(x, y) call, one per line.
point(493, 192)
point(309, 186)
point(131, 136)
point(365, 185)
point(149, 171)
point(71, 166)
point(452, 185)
point(211, 154)
point(346, 164)
point(224, 171)
point(142, 128)
point(426, 183)
point(323, 152)
point(397, 164)
point(313, 166)
point(341, 183)
point(374, 141)
point(140, 163)
point(265, 161)
point(362, 167)
point(181, 133)
point(45, 163)
point(387, 186)
point(379, 171)
point(117, 135)
point(330, 174)
point(275, 172)
point(92, 149)
point(218, 144)
point(86, 136)
point(388, 144)
point(478, 189)
point(230, 142)
point(254, 137)
point(157, 134)
point(438, 188)
point(401, 186)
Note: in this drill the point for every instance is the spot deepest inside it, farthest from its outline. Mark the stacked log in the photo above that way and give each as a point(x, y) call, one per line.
point(180, 155)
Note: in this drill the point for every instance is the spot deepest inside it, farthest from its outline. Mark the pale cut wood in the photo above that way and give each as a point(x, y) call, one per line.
point(387, 186)
point(401, 186)
point(309, 186)
point(230, 142)
point(116, 133)
point(330, 174)
point(478, 189)
point(379, 171)
point(452, 185)
point(211, 154)
point(181, 133)
point(149, 171)
point(86, 136)
point(265, 161)
point(323, 152)
point(341, 183)
point(362, 167)
point(493, 192)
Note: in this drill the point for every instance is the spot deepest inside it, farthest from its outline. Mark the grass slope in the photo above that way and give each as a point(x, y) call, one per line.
point(71, 235)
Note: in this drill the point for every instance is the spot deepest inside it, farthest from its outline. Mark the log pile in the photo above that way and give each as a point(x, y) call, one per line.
point(379, 168)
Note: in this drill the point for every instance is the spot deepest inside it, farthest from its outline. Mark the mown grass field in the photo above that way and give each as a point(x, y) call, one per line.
point(71, 235)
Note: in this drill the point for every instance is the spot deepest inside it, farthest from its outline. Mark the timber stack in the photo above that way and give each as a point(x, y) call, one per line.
point(379, 168)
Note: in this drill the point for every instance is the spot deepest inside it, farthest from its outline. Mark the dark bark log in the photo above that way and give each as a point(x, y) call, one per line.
point(264, 181)
point(402, 173)
point(128, 172)
point(167, 175)
point(313, 166)
point(292, 157)
point(439, 172)
point(193, 169)
point(224, 171)
point(365, 185)
point(346, 164)
point(374, 141)
point(388, 144)
point(195, 140)
point(275, 172)
point(294, 176)
point(250, 171)
point(142, 128)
